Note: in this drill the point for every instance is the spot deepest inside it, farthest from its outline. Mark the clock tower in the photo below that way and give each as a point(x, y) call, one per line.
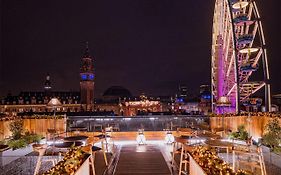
point(87, 81)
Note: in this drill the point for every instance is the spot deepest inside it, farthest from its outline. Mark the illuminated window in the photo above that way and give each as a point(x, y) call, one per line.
point(91, 76)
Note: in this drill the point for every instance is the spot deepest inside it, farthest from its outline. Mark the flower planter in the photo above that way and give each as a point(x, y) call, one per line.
point(10, 155)
point(194, 167)
point(84, 169)
point(75, 162)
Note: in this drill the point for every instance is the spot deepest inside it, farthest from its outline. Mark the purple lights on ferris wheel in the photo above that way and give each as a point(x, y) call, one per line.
point(238, 48)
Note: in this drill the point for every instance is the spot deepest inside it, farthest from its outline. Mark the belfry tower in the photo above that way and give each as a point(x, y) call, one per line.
point(87, 81)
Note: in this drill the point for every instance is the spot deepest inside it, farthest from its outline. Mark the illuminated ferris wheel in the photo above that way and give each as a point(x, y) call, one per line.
point(240, 74)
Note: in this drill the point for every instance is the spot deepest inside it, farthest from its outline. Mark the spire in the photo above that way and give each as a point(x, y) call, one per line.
point(47, 84)
point(87, 52)
point(48, 77)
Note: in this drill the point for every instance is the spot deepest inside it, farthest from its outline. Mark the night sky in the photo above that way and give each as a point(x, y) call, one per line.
point(148, 46)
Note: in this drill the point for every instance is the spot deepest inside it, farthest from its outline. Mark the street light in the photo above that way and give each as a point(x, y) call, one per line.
point(53, 104)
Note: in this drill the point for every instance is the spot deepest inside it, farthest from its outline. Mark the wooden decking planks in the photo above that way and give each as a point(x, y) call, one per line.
point(139, 161)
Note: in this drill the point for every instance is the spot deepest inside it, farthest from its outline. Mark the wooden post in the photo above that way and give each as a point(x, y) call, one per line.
point(233, 159)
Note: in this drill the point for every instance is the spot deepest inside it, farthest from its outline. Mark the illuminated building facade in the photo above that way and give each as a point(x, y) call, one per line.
point(205, 99)
point(120, 101)
point(116, 100)
point(141, 106)
point(37, 101)
point(194, 105)
point(182, 91)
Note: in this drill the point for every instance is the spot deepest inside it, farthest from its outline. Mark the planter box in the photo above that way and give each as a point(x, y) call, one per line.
point(194, 168)
point(272, 157)
point(84, 169)
point(3, 148)
point(236, 141)
point(10, 155)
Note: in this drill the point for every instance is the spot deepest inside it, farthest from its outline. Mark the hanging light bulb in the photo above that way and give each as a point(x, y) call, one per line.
point(248, 50)
point(240, 5)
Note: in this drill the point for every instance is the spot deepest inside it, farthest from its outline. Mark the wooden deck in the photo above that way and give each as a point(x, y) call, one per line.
point(140, 160)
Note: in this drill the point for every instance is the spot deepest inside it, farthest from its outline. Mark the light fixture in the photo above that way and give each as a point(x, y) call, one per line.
point(108, 133)
point(240, 5)
point(140, 137)
point(248, 50)
point(223, 101)
point(169, 138)
point(54, 103)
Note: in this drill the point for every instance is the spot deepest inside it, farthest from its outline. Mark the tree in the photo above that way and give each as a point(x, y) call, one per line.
point(272, 137)
point(16, 127)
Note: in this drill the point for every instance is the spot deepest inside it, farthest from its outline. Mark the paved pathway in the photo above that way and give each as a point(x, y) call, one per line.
point(140, 160)
point(25, 165)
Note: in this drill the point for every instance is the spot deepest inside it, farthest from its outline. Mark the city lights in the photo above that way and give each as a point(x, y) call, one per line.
point(136, 88)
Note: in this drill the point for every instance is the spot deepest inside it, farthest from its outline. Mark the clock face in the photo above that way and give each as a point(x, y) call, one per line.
point(91, 76)
point(84, 77)
point(87, 77)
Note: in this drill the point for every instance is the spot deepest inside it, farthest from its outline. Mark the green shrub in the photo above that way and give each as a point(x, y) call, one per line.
point(24, 140)
point(241, 134)
point(16, 127)
point(30, 138)
point(3, 142)
point(19, 140)
point(272, 137)
point(277, 150)
point(234, 135)
point(16, 144)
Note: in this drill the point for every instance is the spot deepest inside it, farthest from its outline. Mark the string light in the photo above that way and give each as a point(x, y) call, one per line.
point(208, 159)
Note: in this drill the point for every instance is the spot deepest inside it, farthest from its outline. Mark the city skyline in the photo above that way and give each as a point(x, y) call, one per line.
point(140, 87)
point(149, 47)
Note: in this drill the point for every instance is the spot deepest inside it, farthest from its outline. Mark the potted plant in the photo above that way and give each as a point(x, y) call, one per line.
point(20, 143)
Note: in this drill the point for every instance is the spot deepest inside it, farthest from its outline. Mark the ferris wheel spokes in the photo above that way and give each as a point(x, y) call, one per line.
point(238, 51)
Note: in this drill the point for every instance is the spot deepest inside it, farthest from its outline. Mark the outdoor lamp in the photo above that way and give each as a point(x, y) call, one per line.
point(140, 137)
point(169, 138)
point(107, 133)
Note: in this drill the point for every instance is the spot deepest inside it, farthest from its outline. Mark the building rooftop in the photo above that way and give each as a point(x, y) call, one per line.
point(117, 92)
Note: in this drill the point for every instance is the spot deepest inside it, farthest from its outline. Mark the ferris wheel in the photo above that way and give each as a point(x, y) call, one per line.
point(240, 74)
